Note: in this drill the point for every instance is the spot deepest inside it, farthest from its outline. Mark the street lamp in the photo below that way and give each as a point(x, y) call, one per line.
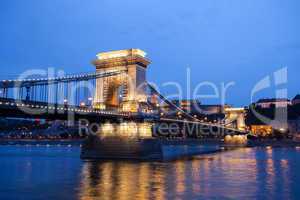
point(90, 99)
point(65, 102)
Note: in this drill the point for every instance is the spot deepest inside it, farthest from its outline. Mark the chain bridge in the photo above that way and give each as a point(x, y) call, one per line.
point(117, 96)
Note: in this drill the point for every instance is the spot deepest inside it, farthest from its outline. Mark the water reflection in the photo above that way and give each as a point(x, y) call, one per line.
point(240, 174)
point(57, 173)
point(122, 180)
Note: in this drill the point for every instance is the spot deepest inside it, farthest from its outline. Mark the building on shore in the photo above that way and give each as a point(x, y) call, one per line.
point(273, 102)
point(196, 109)
point(268, 117)
point(261, 130)
point(296, 100)
point(222, 114)
point(294, 126)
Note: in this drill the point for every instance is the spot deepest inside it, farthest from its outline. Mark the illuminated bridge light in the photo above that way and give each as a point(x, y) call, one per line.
point(128, 129)
point(145, 130)
point(107, 129)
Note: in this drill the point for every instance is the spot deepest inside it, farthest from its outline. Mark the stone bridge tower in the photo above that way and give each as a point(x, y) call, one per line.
point(125, 90)
point(235, 118)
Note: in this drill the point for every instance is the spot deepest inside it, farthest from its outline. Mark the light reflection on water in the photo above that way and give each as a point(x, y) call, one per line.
point(58, 173)
point(239, 174)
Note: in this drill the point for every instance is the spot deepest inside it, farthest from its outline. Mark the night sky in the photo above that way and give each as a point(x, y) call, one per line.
point(219, 40)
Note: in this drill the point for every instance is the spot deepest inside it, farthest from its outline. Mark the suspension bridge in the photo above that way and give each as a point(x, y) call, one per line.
point(117, 96)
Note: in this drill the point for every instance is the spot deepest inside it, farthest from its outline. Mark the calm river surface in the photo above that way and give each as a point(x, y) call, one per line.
point(54, 173)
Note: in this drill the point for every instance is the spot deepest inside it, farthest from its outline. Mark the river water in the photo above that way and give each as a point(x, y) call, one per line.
point(54, 173)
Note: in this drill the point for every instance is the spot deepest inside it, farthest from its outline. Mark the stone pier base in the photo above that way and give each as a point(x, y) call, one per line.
point(97, 148)
point(121, 148)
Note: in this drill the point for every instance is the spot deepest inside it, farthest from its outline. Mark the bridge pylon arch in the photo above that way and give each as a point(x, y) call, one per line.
point(126, 90)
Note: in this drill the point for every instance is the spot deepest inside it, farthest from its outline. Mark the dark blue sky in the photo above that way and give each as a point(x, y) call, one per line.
point(220, 40)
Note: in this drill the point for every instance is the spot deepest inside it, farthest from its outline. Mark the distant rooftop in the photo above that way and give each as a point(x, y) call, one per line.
point(272, 100)
point(297, 97)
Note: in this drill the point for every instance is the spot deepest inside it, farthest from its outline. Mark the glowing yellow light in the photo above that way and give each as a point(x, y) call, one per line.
point(130, 106)
point(128, 129)
point(227, 138)
point(145, 130)
point(107, 129)
point(236, 139)
point(121, 53)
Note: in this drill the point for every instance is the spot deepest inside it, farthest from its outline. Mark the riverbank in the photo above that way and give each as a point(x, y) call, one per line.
point(273, 143)
point(187, 141)
point(63, 142)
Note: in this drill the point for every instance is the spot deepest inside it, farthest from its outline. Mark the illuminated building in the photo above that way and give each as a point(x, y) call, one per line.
point(204, 112)
point(261, 130)
point(277, 103)
point(296, 100)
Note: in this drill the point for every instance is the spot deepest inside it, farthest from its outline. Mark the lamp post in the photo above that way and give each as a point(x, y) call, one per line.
point(90, 101)
point(65, 103)
point(82, 104)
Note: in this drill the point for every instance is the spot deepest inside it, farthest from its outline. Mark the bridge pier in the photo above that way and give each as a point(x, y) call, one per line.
point(121, 148)
point(128, 129)
point(157, 140)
